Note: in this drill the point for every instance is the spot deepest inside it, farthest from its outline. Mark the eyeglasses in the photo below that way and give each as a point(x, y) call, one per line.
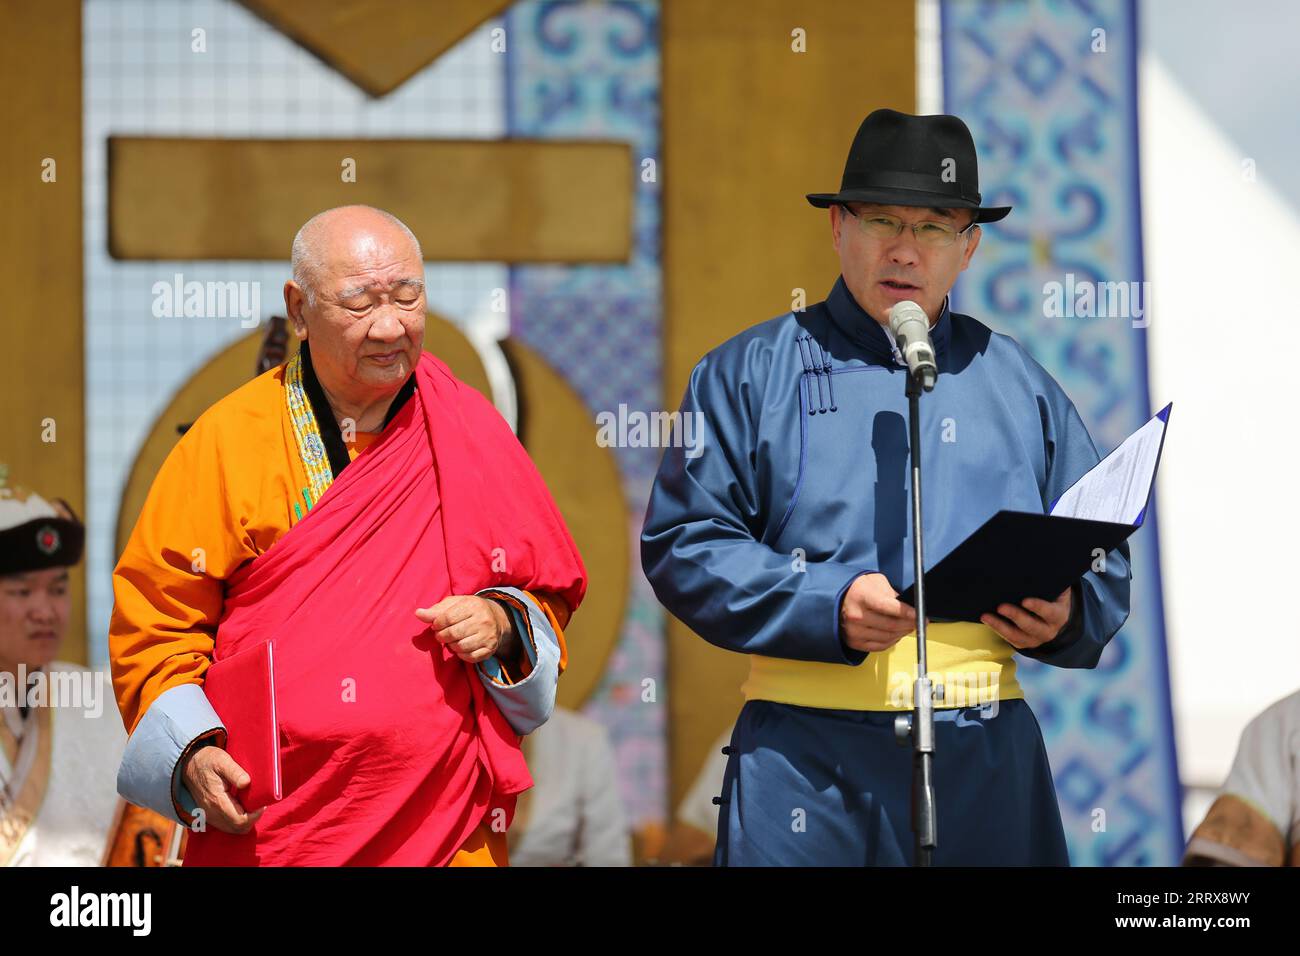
point(879, 225)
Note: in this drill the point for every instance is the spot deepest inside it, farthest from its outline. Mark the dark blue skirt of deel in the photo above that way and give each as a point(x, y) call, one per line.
point(806, 786)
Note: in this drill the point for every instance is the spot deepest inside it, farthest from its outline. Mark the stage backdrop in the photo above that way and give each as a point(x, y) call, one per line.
point(1049, 91)
point(755, 113)
point(591, 71)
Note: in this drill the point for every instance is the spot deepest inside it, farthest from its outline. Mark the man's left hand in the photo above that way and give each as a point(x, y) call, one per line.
point(1033, 623)
point(472, 627)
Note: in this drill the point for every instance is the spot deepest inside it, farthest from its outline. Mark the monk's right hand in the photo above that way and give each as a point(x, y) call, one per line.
point(872, 618)
point(212, 777)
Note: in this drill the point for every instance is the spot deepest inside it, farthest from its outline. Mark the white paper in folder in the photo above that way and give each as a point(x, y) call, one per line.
point(1118, 486)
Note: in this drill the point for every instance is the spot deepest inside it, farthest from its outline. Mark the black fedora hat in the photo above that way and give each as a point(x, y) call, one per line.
point(898, 159)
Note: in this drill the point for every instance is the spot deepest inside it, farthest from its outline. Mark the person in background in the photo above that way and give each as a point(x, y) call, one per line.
point(573, 816)
point(1255, 819)
point(59, 743)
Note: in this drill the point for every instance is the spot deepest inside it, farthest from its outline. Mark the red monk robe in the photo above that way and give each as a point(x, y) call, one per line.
point(416, 767)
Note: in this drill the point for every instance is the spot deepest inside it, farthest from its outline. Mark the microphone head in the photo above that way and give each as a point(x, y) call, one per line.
point(907, 311)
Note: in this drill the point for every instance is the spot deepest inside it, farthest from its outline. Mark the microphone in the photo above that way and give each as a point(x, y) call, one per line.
point(911, 328)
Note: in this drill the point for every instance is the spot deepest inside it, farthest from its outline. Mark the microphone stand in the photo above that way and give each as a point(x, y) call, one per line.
point(918, 726)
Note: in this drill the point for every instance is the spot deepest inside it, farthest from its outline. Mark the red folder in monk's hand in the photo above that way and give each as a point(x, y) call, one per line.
point(241, 689)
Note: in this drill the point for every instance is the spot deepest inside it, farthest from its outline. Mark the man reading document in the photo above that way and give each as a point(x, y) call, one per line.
point(375, 519)
point(789, 537)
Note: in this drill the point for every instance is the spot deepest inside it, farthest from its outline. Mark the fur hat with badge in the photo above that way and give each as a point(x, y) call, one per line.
point(36, 534)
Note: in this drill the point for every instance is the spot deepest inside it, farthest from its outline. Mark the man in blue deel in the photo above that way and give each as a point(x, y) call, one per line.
point(788, 537)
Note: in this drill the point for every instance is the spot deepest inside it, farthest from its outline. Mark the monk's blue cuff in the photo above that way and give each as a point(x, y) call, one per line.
point(176, 723)
point(526, 704)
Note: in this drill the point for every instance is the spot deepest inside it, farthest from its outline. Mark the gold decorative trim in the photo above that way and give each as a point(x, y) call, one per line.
point(1237, 832)
point(306, 433)
point(17, 817)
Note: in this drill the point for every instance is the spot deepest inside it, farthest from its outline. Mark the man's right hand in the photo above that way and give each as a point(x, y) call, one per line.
point(212, 777)
point(872, 618)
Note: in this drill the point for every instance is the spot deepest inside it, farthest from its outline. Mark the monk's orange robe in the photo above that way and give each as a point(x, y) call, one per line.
point(219, 500)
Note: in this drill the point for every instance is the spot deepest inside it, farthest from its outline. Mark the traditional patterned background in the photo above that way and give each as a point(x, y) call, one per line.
point(576, 71)
point(1051, 102)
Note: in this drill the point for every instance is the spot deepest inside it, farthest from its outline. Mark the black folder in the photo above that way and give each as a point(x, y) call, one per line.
point(1017, 554)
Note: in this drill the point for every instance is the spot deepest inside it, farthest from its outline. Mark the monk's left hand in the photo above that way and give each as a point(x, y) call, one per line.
point(1033, 623)
point(473, 628)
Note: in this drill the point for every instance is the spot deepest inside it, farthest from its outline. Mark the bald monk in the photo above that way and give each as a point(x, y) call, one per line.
point(376, 519)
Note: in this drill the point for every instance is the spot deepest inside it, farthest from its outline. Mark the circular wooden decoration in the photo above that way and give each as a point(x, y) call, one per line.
point(560, 435)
